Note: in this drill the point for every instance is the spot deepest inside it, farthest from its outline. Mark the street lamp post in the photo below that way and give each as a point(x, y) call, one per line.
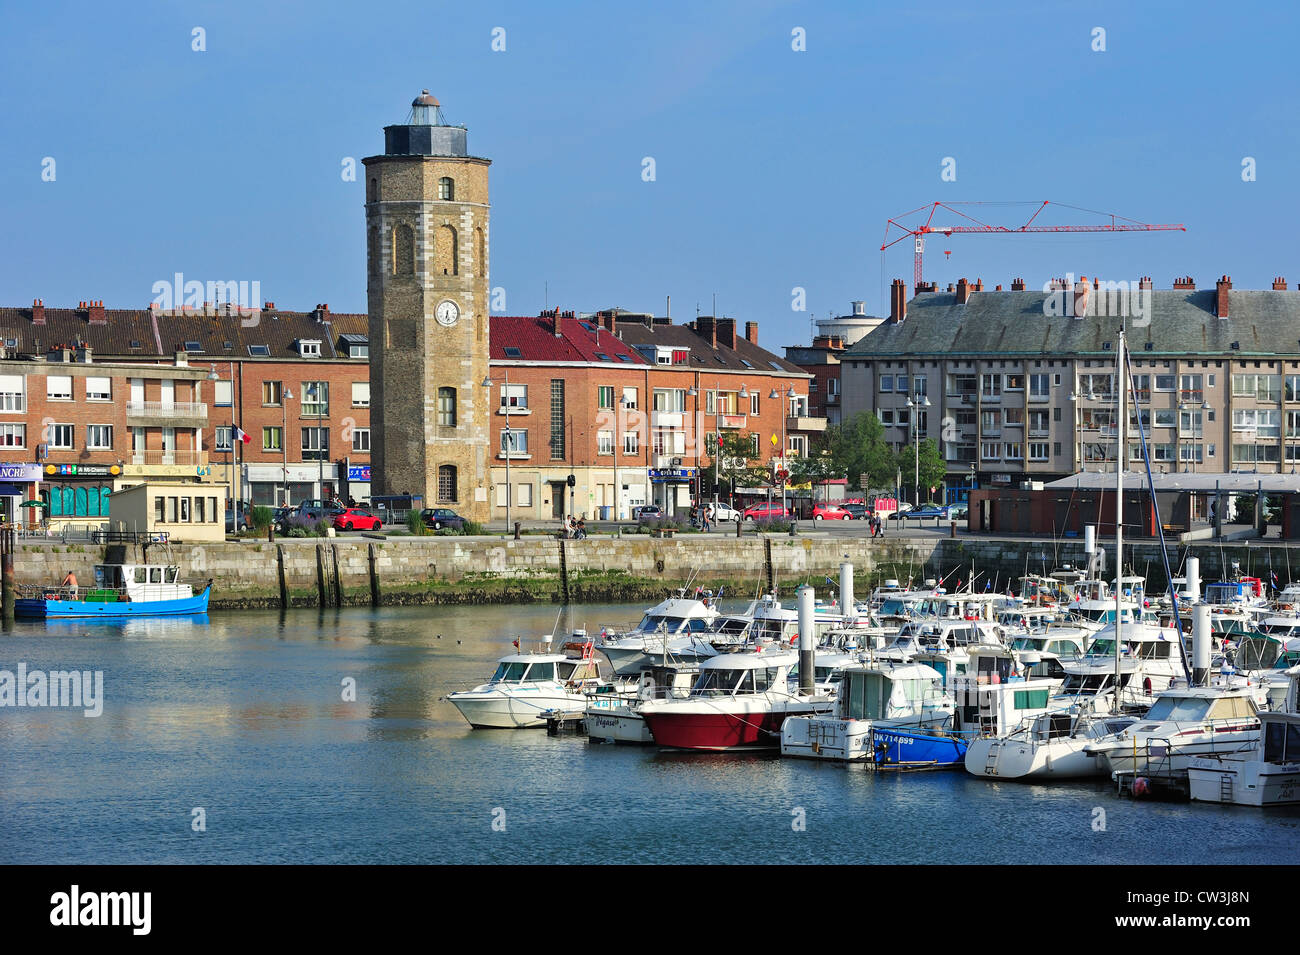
point(922, 401)
point(508, 441)
point(777, 396)
point(285, 395)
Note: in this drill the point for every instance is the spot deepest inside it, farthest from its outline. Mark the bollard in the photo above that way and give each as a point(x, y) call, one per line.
point(794, 528)
point(952, 529)
point(517, 530)
point(738, 523)
point(270, 533)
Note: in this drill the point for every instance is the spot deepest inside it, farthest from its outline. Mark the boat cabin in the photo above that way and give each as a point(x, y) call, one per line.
point(734, 674)
point(143, 582)
point(885, 692)
point(543, 668)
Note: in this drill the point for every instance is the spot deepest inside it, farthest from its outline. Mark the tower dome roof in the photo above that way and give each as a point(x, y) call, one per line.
point(425, 99)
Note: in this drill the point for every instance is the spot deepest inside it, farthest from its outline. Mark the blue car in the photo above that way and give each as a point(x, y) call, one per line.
point(926, 511)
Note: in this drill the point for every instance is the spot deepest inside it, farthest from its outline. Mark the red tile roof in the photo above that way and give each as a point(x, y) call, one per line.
point(536, 340)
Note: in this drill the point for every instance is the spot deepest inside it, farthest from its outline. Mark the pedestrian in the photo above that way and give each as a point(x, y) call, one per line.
point(70, 582)
point(706, 520)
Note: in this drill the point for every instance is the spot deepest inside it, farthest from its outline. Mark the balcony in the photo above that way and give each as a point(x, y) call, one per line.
point(805, 423)
point(163, 413)
point(182, 459)
point(731, 421)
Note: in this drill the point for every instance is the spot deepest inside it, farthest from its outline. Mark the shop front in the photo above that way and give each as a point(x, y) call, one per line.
point(77, 493)
point(273, 485)
point(17, 485)
point(672, 488)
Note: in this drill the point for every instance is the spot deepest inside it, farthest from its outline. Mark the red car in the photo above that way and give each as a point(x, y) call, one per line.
point(359, 518)
point(831, 512)
point(764, 512)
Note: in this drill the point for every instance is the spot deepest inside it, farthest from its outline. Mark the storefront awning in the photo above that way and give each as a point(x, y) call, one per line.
point(11, 490)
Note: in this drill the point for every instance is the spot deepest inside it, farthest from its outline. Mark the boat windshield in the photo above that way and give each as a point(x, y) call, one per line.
point(540, 672)
point(1028, 643)
point(509, 672)
point(893, 608)
point(1102, 648)
point(1178, 709)
point(725, 682)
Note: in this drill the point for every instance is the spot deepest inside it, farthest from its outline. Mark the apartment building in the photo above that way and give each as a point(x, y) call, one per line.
point(1021, 384)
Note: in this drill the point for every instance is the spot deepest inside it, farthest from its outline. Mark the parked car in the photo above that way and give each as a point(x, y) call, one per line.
point(648, 512)
point(958, 512)
point(316, 511)
point(765, 512)
point(823, 511)
point(358, 518)
point(859, 512)
point(926, 512)
point(244, 522)
point(280, 517)
point(719, 511)
point(437, 518)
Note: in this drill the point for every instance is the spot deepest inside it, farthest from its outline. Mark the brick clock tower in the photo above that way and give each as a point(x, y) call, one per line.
point(427, 290)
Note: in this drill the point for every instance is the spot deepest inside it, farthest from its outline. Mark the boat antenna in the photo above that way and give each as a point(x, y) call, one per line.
point(1119, 504)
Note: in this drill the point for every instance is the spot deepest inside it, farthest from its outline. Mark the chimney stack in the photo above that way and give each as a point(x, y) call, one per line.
point(1185, 283)
point(1145, 282)
point(706, 329)
point(979, 286)
point(727, 332)
point(38, 312)
point(1221, 290)
point(1279, 284)
point(97, 316)
point(1017, 285)
point(321, 312)
point(963, 291)
point(897, 301)
point(1082, 292)
point(751, 332)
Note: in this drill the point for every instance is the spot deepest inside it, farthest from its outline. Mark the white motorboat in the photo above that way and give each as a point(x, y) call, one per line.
point(613, 713)
point(1266, 774)
point(1183, 723)
point(1050, 745)
point(525, 686)
point(1150, 660)
point(870, 695)
point(681, 625)
point(739, 701)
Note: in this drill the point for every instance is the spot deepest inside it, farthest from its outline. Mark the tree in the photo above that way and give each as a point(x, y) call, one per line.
point(817, 468)
point(932, 469)
point(737, 460)
point(858, 447)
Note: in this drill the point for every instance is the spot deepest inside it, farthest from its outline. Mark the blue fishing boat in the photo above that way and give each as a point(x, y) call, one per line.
point(119, 590)
point(917, 748)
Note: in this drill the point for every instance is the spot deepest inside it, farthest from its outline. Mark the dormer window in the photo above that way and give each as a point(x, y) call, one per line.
point(309, 348)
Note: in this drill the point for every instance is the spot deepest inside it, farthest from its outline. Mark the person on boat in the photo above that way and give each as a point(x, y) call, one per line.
point(70, 582)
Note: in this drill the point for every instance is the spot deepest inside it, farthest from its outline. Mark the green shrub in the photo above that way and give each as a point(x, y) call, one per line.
point(472, 529)
point(261, 516)
point(773, 526)
point(415, 525)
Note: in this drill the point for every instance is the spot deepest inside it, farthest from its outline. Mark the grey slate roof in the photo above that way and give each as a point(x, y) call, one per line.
point(1181, 322)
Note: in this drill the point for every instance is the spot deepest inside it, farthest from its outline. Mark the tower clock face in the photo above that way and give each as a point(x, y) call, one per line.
point(447, 313)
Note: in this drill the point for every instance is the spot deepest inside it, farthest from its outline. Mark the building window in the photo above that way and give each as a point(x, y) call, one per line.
point(99, 389)
point(272, 439)
point(446, 189)
point(13, 435)
point(158, 514)
point(991, 386)
point(99, 437)
point(1015, 382)
point(798, 445)
point(753, 403)
point(447, 484)
point(1039, 451)
point(753, 445)
point(514, 397)
point(1039, 387)
point(1013, 452)
point(13, 395)
point(631, 442)
point(990, 450)
point(185, 510)
point(361, 440)
point(671, 400)
point(315, 444)
point(272, 393)
point(629, 399)
point(309, 348)
point(557, 419)
point(833, 387)
point(315, 399)
point(605, 397)
point(58, 387)
point(403, 250)
point(447, 407)
point(605, 442)
point(886, 383)
point(514, 441)
point(61, 436)
point(361, 394)
point(221, 438)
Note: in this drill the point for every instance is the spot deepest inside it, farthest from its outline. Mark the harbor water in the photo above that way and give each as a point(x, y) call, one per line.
point(238, 738)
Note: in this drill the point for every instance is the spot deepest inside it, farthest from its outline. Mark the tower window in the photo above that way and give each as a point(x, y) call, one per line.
point(403, 250)
point(446, 189)
point(447, 407)
point(447, 484)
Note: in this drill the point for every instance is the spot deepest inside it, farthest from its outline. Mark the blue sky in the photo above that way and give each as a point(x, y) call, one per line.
point(774, 168)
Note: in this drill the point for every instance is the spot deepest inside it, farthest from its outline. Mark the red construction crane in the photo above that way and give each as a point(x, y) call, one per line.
point(977, 227)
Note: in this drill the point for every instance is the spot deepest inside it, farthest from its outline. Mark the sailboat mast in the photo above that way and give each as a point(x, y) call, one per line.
point(1119, 506)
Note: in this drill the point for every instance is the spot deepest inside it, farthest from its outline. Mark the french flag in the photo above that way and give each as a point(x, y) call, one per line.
point(242, 435)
